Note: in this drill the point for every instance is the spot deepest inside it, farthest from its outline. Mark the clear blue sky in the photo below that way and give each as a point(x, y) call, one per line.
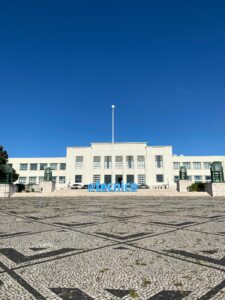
point(63, 63)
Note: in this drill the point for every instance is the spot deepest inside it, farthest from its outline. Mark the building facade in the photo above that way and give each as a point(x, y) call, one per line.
point(113, 163)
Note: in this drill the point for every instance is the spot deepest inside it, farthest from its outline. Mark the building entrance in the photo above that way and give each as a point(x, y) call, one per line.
point(119, 179)
point(108, 179)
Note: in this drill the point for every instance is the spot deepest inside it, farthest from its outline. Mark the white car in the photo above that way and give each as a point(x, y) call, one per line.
point(77, 186)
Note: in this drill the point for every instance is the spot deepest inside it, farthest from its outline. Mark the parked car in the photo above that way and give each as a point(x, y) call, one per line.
point(76, 186)
point(143, 186)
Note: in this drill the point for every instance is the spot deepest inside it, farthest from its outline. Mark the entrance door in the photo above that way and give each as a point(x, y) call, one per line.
point(119, 179)
point(108, 179)
point(130, 178)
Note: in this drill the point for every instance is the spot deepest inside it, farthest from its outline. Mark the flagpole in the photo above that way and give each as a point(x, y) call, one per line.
point(113, 131)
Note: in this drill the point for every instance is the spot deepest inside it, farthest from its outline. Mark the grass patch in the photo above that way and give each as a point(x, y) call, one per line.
point(104, 270)
point(146, 282)
point(138, 262)
point(133, 294)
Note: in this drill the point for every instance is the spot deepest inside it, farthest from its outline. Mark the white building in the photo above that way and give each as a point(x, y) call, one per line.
point(111, 163)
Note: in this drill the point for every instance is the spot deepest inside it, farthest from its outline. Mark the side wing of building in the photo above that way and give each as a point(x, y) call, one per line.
point(198, 167)
point(31, 170)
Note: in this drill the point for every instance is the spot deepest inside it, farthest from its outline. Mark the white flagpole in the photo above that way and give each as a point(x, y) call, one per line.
point(113, 137)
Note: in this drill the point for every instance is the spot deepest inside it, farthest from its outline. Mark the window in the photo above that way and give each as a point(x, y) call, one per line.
point(187, 165)
point(96, 178)
point(96, 162)
point(176, 165)
point(53, 166)
point(62, 179)
point(141, 162)
point(198, 178)
point(23, 167)
point(22, 180)
point(119, 162)
point(54, 179)
point(141, 179)
point(207, 178)
point(130, 178)
point(78, 178)
point(207, 165)
point(175, 178)
point(159, 161)
point(197, 165)
point(79, 162)
point(108, 162)
point(62, 166)
point(32, 180)
point(130, 162)
point(41, 179)
point(159, 178)
point(11, 165)
point(43, 166)
point(33, 167)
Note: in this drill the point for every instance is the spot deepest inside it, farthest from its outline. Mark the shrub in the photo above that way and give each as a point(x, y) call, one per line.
point(197, 187)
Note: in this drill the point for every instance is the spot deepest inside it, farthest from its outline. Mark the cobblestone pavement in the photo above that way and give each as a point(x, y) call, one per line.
point(112, 248)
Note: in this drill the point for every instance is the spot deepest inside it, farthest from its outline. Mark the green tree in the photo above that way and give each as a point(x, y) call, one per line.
point(3, 163)
point(3, 156)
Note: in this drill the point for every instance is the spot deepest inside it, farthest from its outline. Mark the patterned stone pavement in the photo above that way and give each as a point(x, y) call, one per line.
point(112, 248)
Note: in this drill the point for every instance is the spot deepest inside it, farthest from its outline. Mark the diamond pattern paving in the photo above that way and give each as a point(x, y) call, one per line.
point(112, 248)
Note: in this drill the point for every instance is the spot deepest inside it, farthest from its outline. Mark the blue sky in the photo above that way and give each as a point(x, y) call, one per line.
point(63, 63)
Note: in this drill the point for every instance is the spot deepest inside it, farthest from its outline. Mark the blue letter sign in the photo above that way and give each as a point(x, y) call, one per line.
point(98, 187)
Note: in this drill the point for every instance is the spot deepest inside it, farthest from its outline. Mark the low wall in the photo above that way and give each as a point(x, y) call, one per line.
point(215, 189)
point(182, 185)
point(47, 186)
point(7, 190)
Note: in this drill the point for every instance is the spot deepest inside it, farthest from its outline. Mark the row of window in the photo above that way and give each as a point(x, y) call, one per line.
point(108, 179)
point(108, 162)
point(118, 164)
point(197, 178)
point(119, 178)
point(42, 166)
point(36, 180)
point(192, 165)
point(79, 160)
